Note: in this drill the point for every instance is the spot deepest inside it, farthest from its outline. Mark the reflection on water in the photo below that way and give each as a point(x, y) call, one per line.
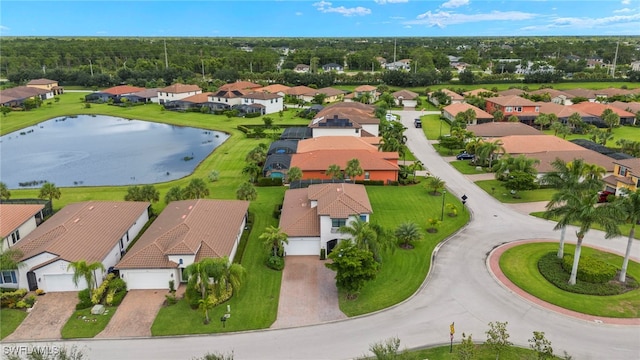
point(92, 150)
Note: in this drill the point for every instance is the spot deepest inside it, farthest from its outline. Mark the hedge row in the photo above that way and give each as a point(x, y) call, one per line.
point(265, 181)
point(10, 298)
point(590, 269)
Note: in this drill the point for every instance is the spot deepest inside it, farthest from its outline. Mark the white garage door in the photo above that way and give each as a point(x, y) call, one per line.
point(147, 279)
point(61, 282)
point(302, 247)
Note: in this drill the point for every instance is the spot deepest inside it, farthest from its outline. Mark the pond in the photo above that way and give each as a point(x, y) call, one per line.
point(94, 150)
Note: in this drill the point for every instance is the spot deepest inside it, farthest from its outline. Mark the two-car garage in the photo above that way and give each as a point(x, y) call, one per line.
point(149, 278)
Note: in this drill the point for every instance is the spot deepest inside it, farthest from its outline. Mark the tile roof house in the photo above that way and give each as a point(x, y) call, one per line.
point(377, 165)
point(113, 93)
point(626, 174)
point(143, 96)
point(271, 103)
point(556, 96)
point(177, 92)
point(331, 94)
point(632, 107)
point(406, 98)
point(15, 97)
point(453, 96)
point(240, 85)
point(346, 119)
point(346, 143)
point(332, 67)
point(547, 148)
point(477, 92)
point(511, 92)
point(93, 231)
point(298, 91)
point(583, 93)
point(228, 97)
point(46, 84)
point(196, 101)
point(18, 221)
point(185, 232)
point(311, 216)
point(500, 129)
point(512, 105)
point(274, 89)
point(302, 68)
point(596, 109)
point(450, 112)
point(367, 89)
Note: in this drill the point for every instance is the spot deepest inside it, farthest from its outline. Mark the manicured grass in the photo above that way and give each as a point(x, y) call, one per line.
point(496, 189)
point(622, 132)
point(466, 167)
point(90, 326)
point(483, 352)
point(520, 265)
point(10, 319)
point(625, 229)
point(433, 126)
point(403, 271)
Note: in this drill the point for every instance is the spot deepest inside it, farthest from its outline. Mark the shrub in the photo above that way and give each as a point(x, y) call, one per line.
point(590, 269)
point(118, 284)
point(98, 294)
point(244, 129)
point(371, 182)
point(85, 300)
point(277, 210)
point(21, 304)
point(39, 292)
point(171, 299)
point(118, 297)
point(263, 181)
point(275, 263)
point(252, 115)
point(193, 296)
point(10, 298)
point(30, 300)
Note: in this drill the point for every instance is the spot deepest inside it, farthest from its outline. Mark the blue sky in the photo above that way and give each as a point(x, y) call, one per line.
point(302, 18)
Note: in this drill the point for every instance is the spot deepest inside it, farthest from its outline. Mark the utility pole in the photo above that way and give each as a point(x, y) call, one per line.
point(394, 50)
point(166, 58)
point(202, 62)
point(615, 60)
point(44, 69)
point(91, 67)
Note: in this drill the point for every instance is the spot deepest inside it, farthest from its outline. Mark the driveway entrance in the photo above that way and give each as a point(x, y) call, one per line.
point(308, 293)
point(47, 318)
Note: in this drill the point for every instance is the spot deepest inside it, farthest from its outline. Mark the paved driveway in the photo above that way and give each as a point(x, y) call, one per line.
point(308, 293)
point(47, 318)
point(135, 315)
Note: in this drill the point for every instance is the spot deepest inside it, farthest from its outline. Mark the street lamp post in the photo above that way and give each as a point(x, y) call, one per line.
point(444, 192)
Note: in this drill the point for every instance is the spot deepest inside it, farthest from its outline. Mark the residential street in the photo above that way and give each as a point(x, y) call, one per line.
point(459, 289)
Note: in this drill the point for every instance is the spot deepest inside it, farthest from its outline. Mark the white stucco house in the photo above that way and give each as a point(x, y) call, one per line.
point(185, 232)
point(406, 98)
point(93, 231)
point(177, 92)
point(312, 216)
point(272, 103)
point(18, 221)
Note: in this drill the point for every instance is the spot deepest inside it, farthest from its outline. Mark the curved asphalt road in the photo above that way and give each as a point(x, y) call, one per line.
point(459, 289)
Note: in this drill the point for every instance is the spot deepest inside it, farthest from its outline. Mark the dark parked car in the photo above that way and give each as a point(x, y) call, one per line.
point(465, 156)
point(417, 123)
point(603, 196)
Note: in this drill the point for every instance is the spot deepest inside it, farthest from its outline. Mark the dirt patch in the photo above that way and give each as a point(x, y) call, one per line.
point(45, 322)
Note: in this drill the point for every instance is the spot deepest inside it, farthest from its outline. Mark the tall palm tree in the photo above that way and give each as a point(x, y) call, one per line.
point(246, 191)
point(198, 275)
point(197, 189)
point(488, 150)
point(227, 276)
point(87, 271)
point(49, 191)
point(571, 206)
point(353, 169)
point(629, 204)
point(253, 170)
point(205, 305)
point(407, 233)
point(334, 171)
point(274, 239)
point(571, 176)
point(5, 194)
point(361, 232)
point(542, 120)
point(294, 174)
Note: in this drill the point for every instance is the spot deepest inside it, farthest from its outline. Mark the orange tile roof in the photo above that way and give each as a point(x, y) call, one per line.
point(589, 156)
point(585, 93)
point(83, 231)
point(239, 85)
point(274, 88)
point(299, 218)
point(499, 129)
point(511, 92)
point(456, 108)
point(41, 82)
point(180, 88)
point(612, 92)
point(356, 112)
point(14, 215)
point(405, 94)
point(511, 100)
point(453, 95)
point(527, 144)
point(198, 98)
point(476, 92)
point(122, 89)
point(632, 107)
point(204, 228)
point(328, 91)
point(552, 93)
point(321, 159)
point(633, 163)
point(334, 143)
point(365, 88)
point(597, 109)
point(299, 90)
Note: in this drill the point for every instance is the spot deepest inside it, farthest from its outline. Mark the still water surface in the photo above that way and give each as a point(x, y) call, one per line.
point(92, 150)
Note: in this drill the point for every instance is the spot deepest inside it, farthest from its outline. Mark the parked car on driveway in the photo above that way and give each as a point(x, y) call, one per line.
point(417, 123)
point(465, 156)
point(603, 196)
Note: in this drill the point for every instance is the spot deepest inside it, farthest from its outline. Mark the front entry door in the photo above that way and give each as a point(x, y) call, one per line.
point(330, 245)
point(31, 280)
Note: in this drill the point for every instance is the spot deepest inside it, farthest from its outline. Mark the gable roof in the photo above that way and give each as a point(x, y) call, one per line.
point(476, 92)
point(321, 159)
point(328, 91)
point(525, 144)
point(452, 94)
point(365, 88)
point(356, 112)
point(608, 92)
point(180, 88)
point(552, 93)
point(20, 92)
point(633, 107)
point(597, 109)
point(14, 215)
point(198, 98)
point(584, 93)
point(83, 231)
point(499, 129)
point(122, 89)
point(240, 85)
point(147, 93)
point(300, 218)
point(561, 111)
point(261, 96)
point(345, 143)
point(511, 100)
point(456, 108)
point(299, 90)
point(589, 156)
point(274, 88)
point(203, 227)
point(229, 94)
point(405, 94)
point(632, 164)
point(41, 82)
point(511, 92)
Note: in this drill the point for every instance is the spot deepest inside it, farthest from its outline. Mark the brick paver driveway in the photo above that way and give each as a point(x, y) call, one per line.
point(47, 318)
point(136, 314)
point(308, 294)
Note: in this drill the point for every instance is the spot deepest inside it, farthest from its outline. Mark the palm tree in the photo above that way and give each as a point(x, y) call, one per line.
point(5, 194)
point(415, 167)
point(570, 176)
point(629, 204)
point(257, 155)
point(197, 189)
point(274, 239)
point(334, 171)
point(435, 184)
point(253, 170)
point(49, 191)
point(175, 193)
point(498, 115)
point(542, 120)
point(407, 233)
point(571, 206)
point(353, 169)
point(87, 271)
point(227, 276)
point(575, 120)
point(556, 127)
point(205, 305)
point(294, 174)
point(509, 164)
point(362, 234)
point(198, 275)
point(610, 118)
point(246, 191)
point(488, 150)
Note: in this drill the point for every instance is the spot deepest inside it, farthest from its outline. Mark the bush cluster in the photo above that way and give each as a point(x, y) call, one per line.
point(98, 294)
point(85, 300)
point(9, 299)
point(590, 269)
point(275, 263)
point(371, 182)
point(265, 181)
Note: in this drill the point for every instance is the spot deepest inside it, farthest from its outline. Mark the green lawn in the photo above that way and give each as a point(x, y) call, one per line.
point(84, 325)
point(433, 126)
point(622, 132)
point(498, 191)
point(10, 319)
point(403, 272)
point(625, 229)
point(483, 352)
point(520, 265)
point(466, 167)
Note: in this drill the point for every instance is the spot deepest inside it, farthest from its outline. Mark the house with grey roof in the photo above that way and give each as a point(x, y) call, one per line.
point(92, 231)
point(185, 232)
point(312, 216)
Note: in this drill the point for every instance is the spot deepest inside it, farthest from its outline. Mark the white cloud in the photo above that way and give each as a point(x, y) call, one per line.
point(445, 18)
point(625, 10)
point(298, 13)
point(382, 2)
point(396, 17)
point(623, 22)
point(325, 7)
point(3, 28)
point(454, 3)
point(626, 2)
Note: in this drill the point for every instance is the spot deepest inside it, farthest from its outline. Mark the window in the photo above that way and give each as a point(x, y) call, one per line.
point(363, 217)
point(508, 109)
point(8, 277)
point(15, 236)
point(622, 171)
point(367, 175)
point(336, 223)
point(537, 108)
point(518, 109)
